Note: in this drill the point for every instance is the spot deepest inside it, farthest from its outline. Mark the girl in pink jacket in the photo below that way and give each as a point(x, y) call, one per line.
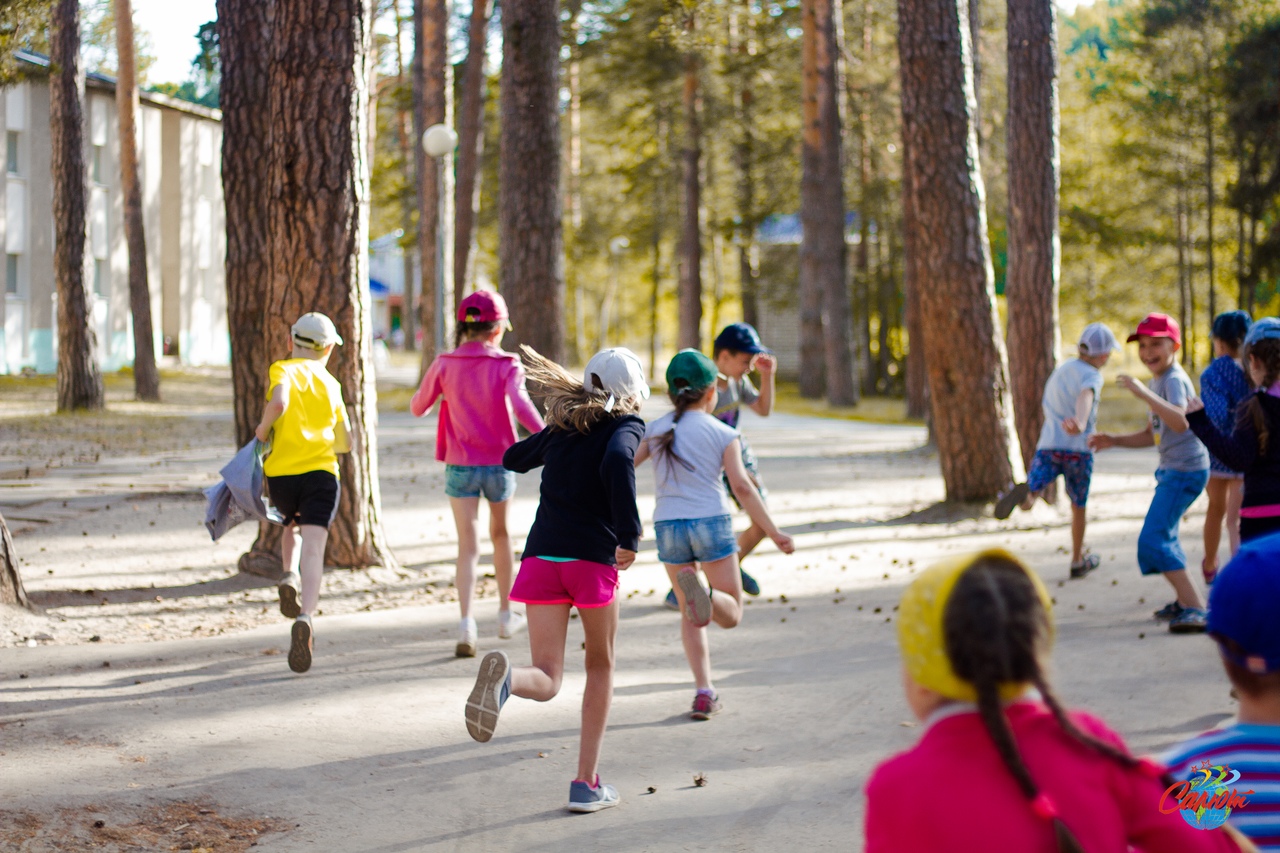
point(480, 387)
point(1001, 766)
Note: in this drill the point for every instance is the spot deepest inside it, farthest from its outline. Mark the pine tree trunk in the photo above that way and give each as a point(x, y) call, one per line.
point(1034, 249)
point(146, 378)
point(530, 236)
point(822, 250)
point(11, 589)
point(79, 380)
point(408, 200)
point(573, 181)
point(244, 38)
point(917, 380)
point(689, 329)
point(964, 352)
point(744, 159)
point(432, 99)
point(470, 151)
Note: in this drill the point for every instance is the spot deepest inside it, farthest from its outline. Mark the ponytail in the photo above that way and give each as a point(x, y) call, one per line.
point(1267, 352)
point(665, 445)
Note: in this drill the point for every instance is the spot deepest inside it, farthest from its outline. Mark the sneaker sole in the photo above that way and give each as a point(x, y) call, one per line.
point(697, 601)
point(289, 604)
point(588, 808)
point(482, 704)
point(702, 716)
point(1013, 497)
point(300, 647)
point(465, 650)
point(1186, 629)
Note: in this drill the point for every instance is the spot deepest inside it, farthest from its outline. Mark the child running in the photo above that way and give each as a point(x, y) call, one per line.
point(1223, 387)
point(479, 386)
point(306, 422)
point(693, 453)
point(1070, 404)
point(1254, 445)
point(586, 529)
point(1181, 475)
point(1026, 775)
point(1242, 619)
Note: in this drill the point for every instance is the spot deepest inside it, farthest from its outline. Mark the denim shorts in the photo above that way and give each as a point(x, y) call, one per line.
point(695, 540)
point(1158, 547)
point(1075, 468)
point(494, 482)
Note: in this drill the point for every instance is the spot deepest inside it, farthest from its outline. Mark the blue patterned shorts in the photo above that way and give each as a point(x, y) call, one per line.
point(1074, 468)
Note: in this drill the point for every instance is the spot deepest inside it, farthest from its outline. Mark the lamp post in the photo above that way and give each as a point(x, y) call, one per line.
point(439, 141)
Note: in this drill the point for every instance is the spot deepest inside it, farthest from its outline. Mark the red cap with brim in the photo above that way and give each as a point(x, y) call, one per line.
point(483, 306)
point(1158, 326)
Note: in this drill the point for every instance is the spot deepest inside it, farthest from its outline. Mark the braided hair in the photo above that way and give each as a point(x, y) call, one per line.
point(684, 397)
point(997, 631)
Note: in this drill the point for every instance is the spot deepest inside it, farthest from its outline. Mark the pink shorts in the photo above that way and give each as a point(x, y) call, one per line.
point(581, 583)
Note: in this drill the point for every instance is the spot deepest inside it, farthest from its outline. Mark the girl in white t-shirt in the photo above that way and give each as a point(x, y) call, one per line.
point(692, 520)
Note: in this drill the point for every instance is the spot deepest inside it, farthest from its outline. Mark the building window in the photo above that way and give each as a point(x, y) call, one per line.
point(11, 275)
point(101, 277)
point(98, 155)
point(11, 152)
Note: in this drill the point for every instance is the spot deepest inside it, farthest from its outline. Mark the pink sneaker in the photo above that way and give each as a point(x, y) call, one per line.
point(705, 706)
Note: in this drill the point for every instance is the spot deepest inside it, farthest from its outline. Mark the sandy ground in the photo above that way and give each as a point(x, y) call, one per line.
point(153, 686)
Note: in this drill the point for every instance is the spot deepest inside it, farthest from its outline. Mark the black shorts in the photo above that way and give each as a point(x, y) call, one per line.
point(310, 498)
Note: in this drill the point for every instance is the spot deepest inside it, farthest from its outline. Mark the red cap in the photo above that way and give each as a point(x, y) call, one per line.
point(483, 306)
point(1158, 326)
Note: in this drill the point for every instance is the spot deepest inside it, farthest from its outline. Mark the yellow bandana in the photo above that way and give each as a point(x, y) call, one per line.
point(920, 626)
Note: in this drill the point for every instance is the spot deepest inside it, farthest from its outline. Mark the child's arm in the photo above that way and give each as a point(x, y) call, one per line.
point(1173, 416)
point(276, 405)
point(527, 454)
point(1076, 424)
point(429, 391)
point(342, 432)
point(526, 413)
point(1141, 438)
point(745, 491)
point(767, 365)
point(618, 473)
point(642, 453)
point(1238, 451)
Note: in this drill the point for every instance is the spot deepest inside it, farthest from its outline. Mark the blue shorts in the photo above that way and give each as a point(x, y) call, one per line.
point(496, 483)
point(1076, 469)
point(1158, 547)
point(695, 540)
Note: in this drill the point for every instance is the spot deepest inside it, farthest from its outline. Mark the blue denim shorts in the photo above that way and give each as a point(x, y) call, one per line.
point(695, 540)
point(1158, 547)
point(494, 482)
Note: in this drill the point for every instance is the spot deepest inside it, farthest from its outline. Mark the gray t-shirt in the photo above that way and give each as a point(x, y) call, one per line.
point(1179, 451)
point(694, 488)
point(731, 398)
point(1062, 389)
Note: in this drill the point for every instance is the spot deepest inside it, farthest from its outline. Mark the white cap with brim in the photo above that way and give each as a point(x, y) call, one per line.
point(1097, 339)
point(618, 373)
point(315, 331)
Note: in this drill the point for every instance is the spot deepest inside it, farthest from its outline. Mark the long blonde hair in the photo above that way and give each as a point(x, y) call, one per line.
point(569, 405)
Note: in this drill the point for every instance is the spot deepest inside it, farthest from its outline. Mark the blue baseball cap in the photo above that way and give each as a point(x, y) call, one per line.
point(740, 337)
point(1243, 604)
point(1266, 329)
point(1232, 326)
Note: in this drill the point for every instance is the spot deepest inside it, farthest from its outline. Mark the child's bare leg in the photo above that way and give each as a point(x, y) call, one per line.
point(693, 638)
point(1235, 494)
point(1188, 595)
point(1077, 533)
point(600, 624)
point(311, 564)
point(548, 624)
point(726, 594)
point(503, 555)
point(465, 512)
point(749, 539)
point(290, 549)
point(1213, 517)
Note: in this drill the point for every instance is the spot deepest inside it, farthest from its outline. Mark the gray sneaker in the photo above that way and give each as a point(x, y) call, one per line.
point(584, 798)
point(1087, 564)
point(697, 601)
point(300, 645)
point(290, 591)
point(1014, 497)
point(1192, 620)
point(493, 686)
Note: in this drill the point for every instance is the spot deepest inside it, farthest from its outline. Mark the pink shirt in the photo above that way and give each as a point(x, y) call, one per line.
point(482, 386)
point(951, 793)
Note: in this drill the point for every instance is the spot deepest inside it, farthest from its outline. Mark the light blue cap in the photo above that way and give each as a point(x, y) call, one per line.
point(1266, 329)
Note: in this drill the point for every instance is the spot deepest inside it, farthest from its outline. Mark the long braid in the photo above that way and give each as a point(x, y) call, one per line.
point(995, 627)
point(665, 444)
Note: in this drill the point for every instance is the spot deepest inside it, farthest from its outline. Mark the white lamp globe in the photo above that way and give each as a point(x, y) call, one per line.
point(439, 140)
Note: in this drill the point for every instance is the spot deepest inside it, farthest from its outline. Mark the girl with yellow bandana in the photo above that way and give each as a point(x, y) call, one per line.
point(1001, 765)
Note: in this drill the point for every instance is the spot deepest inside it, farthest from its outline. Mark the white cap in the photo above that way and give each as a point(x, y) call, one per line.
point(618, 373)
point(315, 331)
point(1097, 339)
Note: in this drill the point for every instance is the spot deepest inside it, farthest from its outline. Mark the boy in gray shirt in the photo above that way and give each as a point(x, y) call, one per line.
point(1183, 471)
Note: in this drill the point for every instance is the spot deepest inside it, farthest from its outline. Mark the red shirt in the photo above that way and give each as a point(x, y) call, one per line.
point(951, 793)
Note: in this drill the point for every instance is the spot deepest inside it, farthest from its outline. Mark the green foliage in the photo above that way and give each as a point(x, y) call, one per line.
point(23, 24)
point(98, 40)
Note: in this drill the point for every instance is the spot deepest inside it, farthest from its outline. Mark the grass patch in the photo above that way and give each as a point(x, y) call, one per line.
point(880, 410)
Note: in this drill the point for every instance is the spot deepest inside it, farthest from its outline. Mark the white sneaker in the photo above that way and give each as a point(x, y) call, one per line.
point(510, 623)
point(466, 639)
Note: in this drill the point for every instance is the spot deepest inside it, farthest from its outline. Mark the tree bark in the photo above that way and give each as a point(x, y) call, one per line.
point(689, 330)
point(822, 249)
point(470, 152)
point(1034, 250)
point(146, 378)
point(11, 589)
point(79, 380)
point(530, 235)
point(432, 101)
point(917, 379)
point(968, 373)
point(408, 201)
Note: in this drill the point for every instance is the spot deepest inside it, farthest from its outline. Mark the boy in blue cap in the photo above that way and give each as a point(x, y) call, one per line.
point(1243, 605)
point(737, 351)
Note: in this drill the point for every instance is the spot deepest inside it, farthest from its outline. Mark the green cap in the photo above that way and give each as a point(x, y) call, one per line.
point(690, 369)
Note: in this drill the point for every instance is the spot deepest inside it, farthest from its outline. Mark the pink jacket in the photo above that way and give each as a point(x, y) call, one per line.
point(482, 386)
point(951, 793)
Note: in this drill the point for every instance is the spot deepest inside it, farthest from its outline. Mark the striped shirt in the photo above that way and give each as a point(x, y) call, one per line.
point(1254, 750)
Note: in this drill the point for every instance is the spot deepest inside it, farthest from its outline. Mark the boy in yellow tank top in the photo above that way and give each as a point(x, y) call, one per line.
point(305, 421)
